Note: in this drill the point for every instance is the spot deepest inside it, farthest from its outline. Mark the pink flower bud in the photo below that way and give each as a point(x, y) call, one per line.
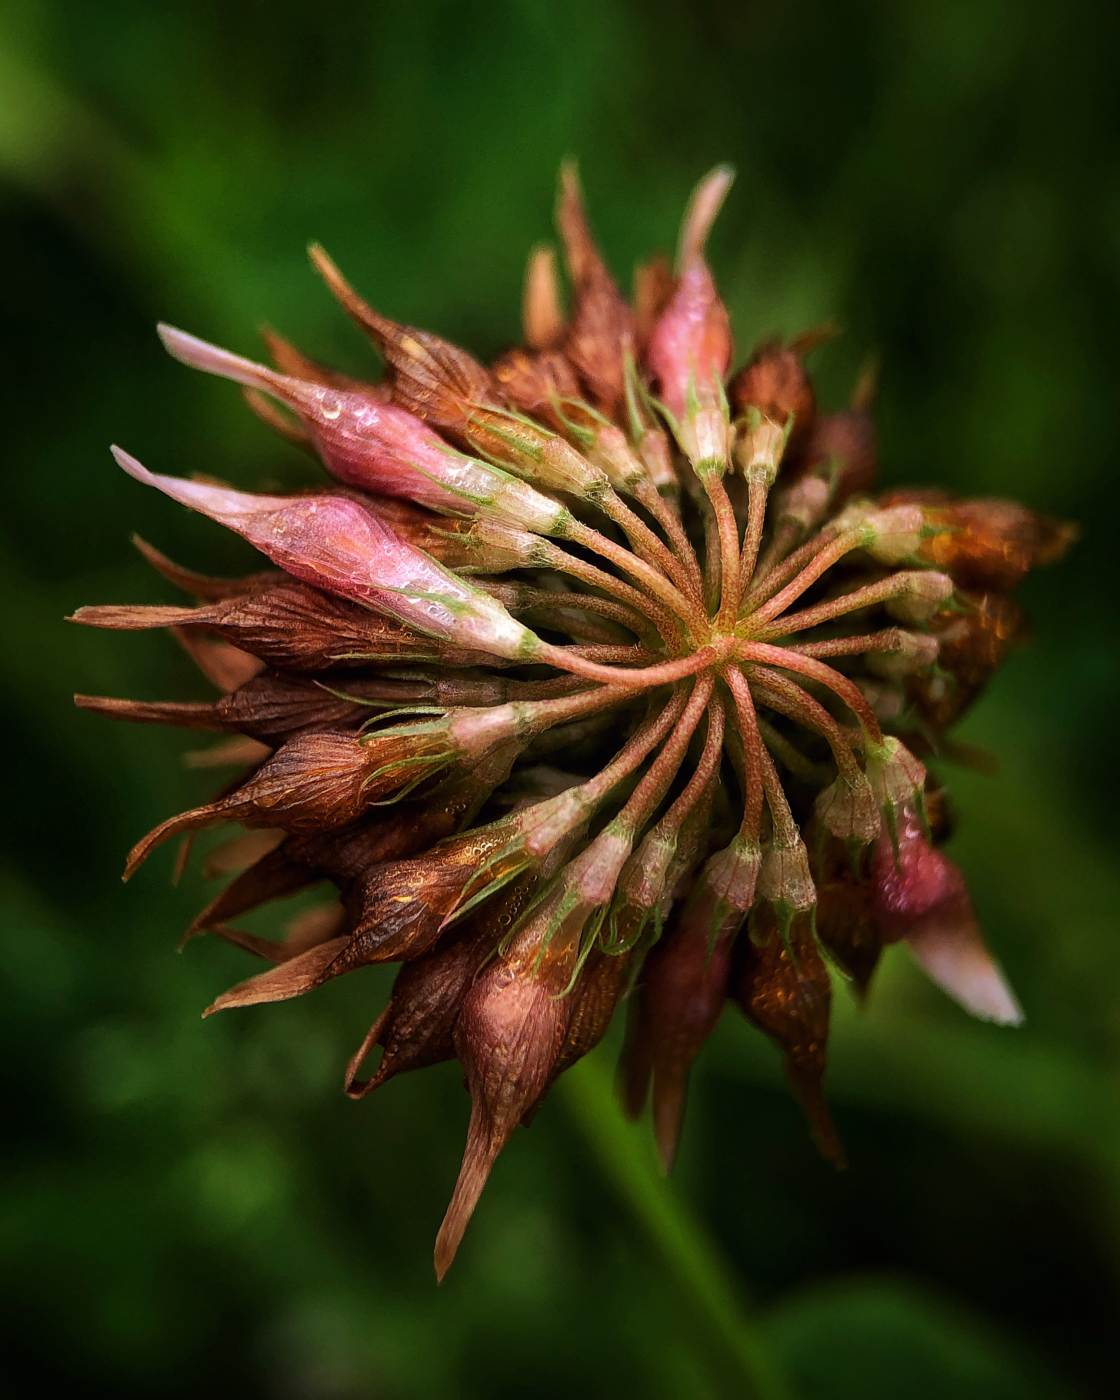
point(377, 446)
point(920, 895)
point(690, 348)
point(336, 544)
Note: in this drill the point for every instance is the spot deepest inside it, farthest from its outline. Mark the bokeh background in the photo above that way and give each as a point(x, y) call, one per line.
point(194, 1208)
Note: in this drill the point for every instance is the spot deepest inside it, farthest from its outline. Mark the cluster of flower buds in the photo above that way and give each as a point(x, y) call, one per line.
point(596, 677)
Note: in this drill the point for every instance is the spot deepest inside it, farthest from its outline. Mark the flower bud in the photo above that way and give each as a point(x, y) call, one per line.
point(320, 781)
point(919, 894)
point(845, 925)
point(759, 444)
point(971, 645)
point(429, 376)
point(890, 535)
point(400, 908)
point(911, 654)
point(897, 778)
point(381, 447)
point(335, 544)
point(681, 993)
point(923, 592)
point(271, 707)
point(533, 383)
point(532, 452)
point(992, 543)
point(642, 885)
point(601, 328)
point(594, 998)
point(346, 856)
point(417, 1028)
point(775, 384)
point(782, 985)
point(509, 1036)
point(849, 809)
point(784, 879)
point(292, 627)
point(690, 346)
point(733, 875)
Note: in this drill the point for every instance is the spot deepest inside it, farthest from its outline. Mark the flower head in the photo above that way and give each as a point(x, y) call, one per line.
point(598, 674)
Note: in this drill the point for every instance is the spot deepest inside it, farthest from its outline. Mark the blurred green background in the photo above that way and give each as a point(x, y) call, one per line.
point(192, 1208)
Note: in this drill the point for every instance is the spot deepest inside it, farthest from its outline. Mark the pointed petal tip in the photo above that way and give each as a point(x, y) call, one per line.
point(134, 468)
point(952, 953)
point(322, 262)
point(200, 354)
point(703, 208)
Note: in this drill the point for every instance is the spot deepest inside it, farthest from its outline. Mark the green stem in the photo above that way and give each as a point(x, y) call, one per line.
point(701, 1274)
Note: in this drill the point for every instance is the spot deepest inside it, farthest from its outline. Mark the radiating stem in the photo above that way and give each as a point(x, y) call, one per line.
point(590, 574)
point(677, 535)
point(647, 796)
point(758, 492)
point(789, 699)
point(781, 816)
point(638, 569)
point(528, 599)
point(768, 579)
point(665, 673)
point(728, 530)
point(646, 544)
point(820, 563)
point(634, 752)
point(753, 750)
point(706, 770)
point(868, 596)
point(890, 639)
point(787, 659)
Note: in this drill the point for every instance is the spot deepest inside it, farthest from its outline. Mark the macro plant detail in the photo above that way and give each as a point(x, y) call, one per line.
point(599, 677)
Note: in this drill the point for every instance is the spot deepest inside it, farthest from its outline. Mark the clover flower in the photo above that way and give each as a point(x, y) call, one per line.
point(595, 676)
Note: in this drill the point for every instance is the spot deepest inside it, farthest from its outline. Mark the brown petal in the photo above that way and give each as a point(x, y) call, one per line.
point(534, 382)
point(417, 1028)
point(680, 996)
point(203, 585)
point(994, 543)
point(429, 376)
point(508, 1038)
point(783, 989)
point(775, 382)
point(542, 310)
point(602, 327)
point(972, 645)
point(280, 983)
point(314, 781)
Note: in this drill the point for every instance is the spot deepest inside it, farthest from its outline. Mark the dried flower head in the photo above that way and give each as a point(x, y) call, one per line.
point(599, 674)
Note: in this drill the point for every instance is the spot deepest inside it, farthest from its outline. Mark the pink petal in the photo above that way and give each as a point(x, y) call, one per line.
point(334, 543)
